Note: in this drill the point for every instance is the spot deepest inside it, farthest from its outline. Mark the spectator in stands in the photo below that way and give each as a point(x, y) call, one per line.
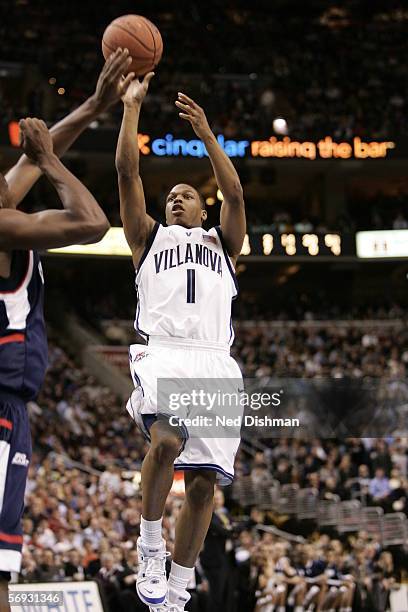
point(379, 487)
point(73, 569)
point(109, 578)
point(213, 557)
point(50, 568)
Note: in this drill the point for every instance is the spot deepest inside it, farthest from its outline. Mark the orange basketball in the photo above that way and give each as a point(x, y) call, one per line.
point(140, 36)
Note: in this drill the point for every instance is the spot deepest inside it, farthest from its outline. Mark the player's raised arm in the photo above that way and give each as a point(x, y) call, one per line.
point(109, 89)
point(137, 224)
point(81, 220)
point(233, 222)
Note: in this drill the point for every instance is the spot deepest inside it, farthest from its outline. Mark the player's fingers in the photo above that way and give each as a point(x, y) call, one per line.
point(37, 123)
point(28, 126)
point(184, 116)
point(148, 77)
point(118, 70)
point(122, 61)
point(126, 81)
point(185, 98)
point(185, 107)
point(119, 57)
point(113, 65)
point(22, 126)
point(109, 61)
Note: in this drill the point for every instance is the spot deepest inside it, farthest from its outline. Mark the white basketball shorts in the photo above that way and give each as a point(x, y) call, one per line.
point(179, 362)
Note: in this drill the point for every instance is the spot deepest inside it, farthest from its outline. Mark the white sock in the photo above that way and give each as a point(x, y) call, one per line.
point(281, 608)
point(299, 609)
point(151, 532)
point(178, 579)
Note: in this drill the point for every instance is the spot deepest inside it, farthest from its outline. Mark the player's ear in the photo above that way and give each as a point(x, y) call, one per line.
point(203, 215)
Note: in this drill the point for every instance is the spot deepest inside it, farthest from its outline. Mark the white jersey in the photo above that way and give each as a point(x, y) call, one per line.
point(185, 283)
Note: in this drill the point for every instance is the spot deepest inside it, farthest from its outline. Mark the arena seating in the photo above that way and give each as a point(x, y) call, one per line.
point(319, 93)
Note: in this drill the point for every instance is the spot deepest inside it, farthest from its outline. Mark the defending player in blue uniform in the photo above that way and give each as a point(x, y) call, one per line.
point(23, 341)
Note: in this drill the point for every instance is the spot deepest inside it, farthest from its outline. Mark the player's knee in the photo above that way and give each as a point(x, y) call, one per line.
point(200, 490)
point(166, 448)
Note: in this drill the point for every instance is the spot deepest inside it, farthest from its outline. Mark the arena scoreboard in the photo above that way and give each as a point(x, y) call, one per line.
point(256, 244)
point(291, 244)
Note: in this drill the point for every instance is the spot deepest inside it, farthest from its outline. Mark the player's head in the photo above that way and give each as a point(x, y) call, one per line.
point(185, 206)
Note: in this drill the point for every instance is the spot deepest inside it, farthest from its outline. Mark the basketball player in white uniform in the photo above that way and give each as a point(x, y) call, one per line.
point(185, 282)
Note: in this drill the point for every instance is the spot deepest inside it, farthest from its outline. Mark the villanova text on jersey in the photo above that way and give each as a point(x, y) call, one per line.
point(188, 253)
point(185, 284)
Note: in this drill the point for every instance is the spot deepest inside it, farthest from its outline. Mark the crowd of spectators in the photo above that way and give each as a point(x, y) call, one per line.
point(326, 69)
point(327, 350)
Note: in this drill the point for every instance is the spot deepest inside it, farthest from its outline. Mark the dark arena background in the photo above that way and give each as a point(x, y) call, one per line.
point(310, 101)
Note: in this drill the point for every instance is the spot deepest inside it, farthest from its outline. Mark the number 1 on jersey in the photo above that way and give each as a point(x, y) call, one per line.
point(190, 286)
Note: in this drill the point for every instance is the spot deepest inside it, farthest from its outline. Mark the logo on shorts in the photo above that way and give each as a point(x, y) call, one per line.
point(20, 459)
point(140, 356)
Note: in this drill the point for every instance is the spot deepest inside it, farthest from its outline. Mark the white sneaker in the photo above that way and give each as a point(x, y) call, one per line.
point(182, 596)
point(167, 607)
point(151, 583)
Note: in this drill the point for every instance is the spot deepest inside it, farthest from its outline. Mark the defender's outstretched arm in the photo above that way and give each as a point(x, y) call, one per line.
point(81, 220)
point(233, 222)
point(109, 89)
point(137, 224)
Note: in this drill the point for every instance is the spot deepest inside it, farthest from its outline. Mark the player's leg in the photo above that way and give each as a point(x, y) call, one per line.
point(157, 478)
point(158, 469)
point(15, 453)
point(4, 580)
point(191, 529)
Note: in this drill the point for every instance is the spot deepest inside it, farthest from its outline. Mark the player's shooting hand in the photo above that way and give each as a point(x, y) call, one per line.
point(35, 139)
point(4, 193)
point(137, 90)
point(194, 114)
point(112, 83)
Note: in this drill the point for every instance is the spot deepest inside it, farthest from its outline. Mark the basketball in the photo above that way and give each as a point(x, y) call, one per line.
point(140, 36)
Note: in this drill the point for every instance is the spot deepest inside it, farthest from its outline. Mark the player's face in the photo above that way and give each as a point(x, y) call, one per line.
point(183, 207)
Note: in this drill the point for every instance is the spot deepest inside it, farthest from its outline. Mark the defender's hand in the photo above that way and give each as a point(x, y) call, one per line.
point(35, 139)
point(111, 84)
point(194, 114)
point(137, 90)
